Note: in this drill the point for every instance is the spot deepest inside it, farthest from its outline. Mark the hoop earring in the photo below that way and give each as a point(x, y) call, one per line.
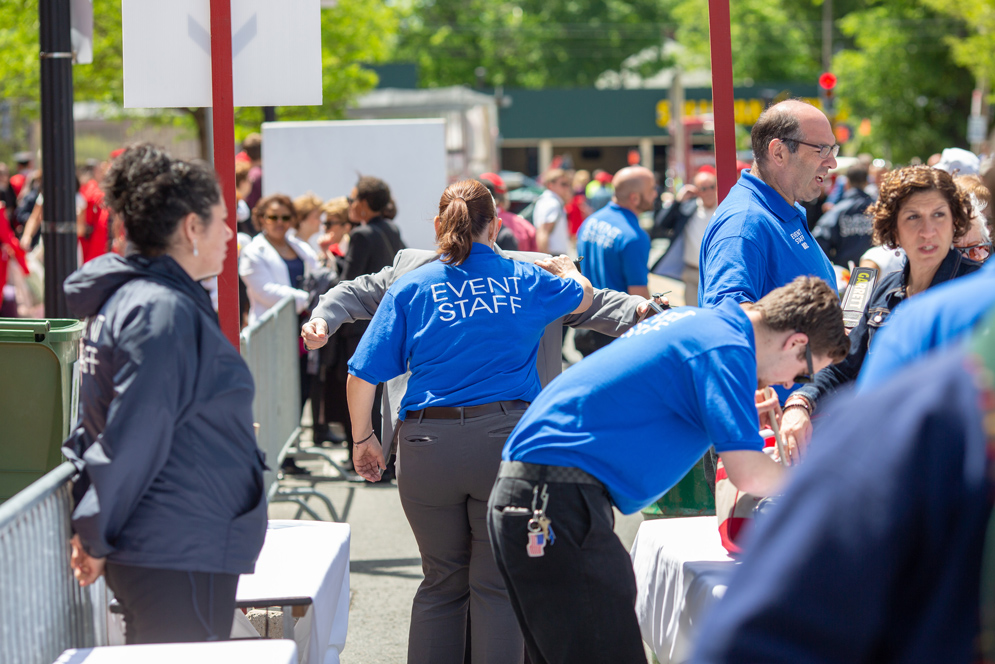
point(195, 253)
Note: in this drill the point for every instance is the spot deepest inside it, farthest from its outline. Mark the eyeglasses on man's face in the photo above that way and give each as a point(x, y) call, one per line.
point(825, 151)
point(809, 377)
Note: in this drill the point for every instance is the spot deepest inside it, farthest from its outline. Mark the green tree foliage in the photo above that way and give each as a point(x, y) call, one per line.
point(771, 40)
point(972, 49)
point(900, 74)
point(525, 43)
point(353, 32)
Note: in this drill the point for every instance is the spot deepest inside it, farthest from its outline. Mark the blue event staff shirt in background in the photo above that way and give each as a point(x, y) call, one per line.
point(757, 242)
point(615, 249)
point(639, 413)
point(469, 333)
point(927, 321)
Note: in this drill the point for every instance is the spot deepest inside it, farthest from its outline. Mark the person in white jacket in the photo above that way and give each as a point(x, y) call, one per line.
point(274, 264)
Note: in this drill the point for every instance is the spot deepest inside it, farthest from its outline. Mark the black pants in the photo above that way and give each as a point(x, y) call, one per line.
point(575, 603)
point(167, 606)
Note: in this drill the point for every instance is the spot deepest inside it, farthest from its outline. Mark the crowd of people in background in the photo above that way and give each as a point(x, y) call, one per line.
point(490, 431)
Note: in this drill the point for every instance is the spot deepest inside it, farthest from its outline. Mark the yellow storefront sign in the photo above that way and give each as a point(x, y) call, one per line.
point(746, 111)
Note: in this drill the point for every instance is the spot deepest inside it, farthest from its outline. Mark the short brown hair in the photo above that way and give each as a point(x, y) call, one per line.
point(775, 121)
point(899, 185)
point(304, 205)
point(552, 174)
point(242, 169)
point(465, 210)
point(337, 208)
point(979, 197)
point(810, 306)
point(260, 209)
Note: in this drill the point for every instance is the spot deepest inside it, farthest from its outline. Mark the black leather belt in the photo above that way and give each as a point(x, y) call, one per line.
point(466, 412)
point(531, 471)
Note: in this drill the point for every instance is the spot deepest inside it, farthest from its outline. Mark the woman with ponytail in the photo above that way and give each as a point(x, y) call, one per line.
point(467, 327)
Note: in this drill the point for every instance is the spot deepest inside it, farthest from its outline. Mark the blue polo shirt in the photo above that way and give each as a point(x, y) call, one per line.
point(616, 250)
point(757, 242)
point(934, 318)
point(639, 413)
point(469, 333)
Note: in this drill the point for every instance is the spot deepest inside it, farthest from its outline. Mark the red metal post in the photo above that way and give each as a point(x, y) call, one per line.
point(720, 40)
point(224, 158)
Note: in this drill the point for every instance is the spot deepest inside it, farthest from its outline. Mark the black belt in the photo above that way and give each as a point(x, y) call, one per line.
point(466, 412)
point(531, 471)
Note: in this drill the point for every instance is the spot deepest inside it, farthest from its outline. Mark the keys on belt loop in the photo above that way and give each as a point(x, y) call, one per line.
point(540, 530)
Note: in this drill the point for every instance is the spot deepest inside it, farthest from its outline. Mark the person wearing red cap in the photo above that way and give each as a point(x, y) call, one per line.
point(523, 231)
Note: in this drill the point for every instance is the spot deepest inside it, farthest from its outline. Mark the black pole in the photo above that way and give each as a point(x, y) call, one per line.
point(57, 153)
point(269, 114)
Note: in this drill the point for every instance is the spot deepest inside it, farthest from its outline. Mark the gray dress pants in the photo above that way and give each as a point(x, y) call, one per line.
point(445, 472)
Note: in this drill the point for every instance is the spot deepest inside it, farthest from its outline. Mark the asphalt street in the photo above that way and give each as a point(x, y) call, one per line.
point(384, 563)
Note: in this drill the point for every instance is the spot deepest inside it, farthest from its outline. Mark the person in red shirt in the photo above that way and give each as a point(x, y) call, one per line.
point(92, 221)
point(525, 233)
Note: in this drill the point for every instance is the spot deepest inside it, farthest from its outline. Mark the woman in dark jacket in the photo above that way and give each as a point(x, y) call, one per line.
point(921, 210)
point(170, 501)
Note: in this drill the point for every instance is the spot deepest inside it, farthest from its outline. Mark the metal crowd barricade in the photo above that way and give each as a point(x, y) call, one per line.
point(43, 611)
point(270, 348)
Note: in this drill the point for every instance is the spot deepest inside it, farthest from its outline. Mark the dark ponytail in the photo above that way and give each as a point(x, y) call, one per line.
point(152, 192)
point(465, 210)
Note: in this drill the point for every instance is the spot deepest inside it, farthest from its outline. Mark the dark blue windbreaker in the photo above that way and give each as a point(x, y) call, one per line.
point(171, 475)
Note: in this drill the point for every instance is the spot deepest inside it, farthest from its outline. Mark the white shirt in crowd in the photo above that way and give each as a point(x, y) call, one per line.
point(694, 232)
point(549, 209)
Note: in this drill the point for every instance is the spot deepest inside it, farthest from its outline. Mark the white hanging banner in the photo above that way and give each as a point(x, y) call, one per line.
point(276, 53)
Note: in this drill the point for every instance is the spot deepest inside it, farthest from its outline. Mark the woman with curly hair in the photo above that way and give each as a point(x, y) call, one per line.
point(922, 211)
point(170, 504)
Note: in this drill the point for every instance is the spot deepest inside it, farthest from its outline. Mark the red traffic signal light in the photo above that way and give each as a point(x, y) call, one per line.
point(827, 81)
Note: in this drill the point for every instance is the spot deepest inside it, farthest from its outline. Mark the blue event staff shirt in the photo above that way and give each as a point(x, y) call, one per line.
point(757, 242)
point(639, 413)
point(615, 249)
point(468, 333)
point(927, 321)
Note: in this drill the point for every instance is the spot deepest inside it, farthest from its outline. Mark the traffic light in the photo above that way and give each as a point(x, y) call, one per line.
point(827, 83)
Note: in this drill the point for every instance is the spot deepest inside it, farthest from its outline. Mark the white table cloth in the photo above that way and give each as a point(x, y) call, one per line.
point(225, 652)
point(306, 559)
point(681, 570)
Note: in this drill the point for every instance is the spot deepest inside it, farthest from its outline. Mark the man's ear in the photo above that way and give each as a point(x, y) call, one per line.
point(777, 151)
point(795, 340)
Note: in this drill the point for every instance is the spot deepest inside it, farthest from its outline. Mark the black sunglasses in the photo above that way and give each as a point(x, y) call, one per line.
point(809, 377)
point(285, 218)
point(328, 224)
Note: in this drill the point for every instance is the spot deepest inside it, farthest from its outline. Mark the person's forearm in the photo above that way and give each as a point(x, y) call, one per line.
point(611, 313)
point(350, 301)
point(360, 395)
point(753, 472)
point(542, 237)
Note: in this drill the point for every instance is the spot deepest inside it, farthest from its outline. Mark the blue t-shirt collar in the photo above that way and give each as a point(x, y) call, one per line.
point(772, 200)
point(629, 215)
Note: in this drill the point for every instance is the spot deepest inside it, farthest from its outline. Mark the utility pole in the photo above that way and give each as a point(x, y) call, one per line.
point(58, 152)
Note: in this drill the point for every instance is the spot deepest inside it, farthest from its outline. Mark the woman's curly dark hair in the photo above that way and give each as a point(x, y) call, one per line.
point(899, 185)
point(152, 192)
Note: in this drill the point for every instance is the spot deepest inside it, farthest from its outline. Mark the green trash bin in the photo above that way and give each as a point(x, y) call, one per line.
point(689, 497)
point(38, 396)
